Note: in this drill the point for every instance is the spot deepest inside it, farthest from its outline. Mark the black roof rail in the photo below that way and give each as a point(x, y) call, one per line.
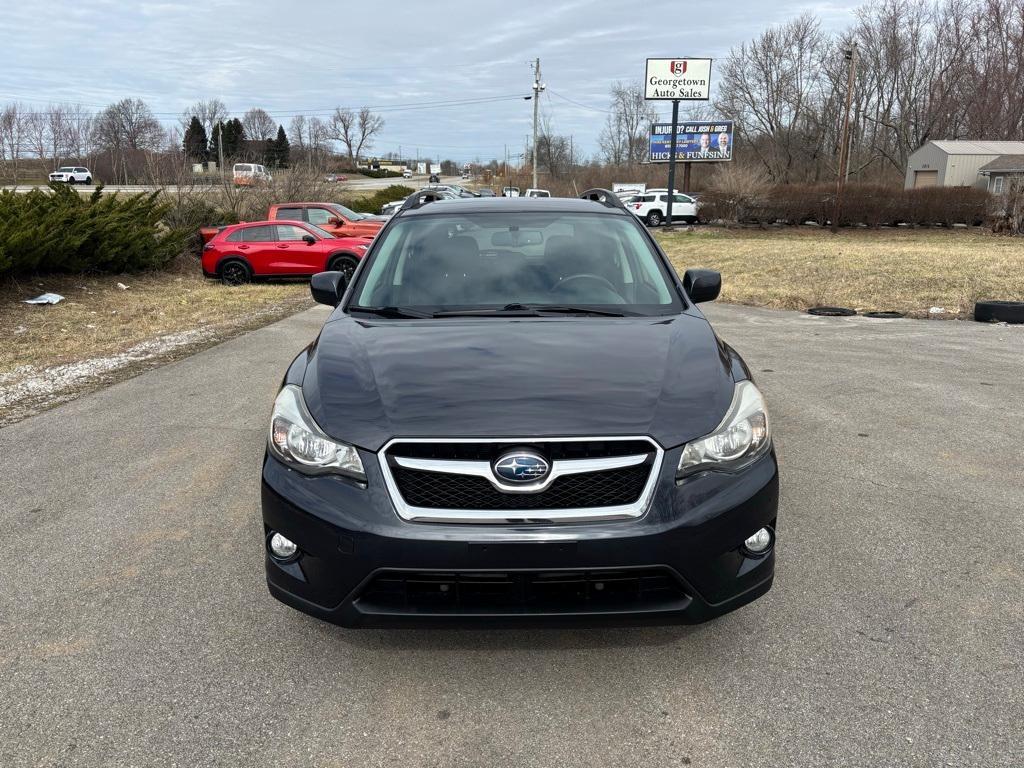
point(605, 197)
point(421, 198)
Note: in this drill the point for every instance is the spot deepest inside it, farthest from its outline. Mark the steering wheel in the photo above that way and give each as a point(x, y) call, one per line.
point(584, 276)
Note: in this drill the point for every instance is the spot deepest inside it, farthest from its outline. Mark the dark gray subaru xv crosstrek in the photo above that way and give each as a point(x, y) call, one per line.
point(516, 413)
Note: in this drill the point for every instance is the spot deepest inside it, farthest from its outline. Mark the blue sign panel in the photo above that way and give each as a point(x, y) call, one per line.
point(697, 141)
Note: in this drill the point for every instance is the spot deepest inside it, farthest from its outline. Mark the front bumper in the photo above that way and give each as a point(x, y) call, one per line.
point(352, 541)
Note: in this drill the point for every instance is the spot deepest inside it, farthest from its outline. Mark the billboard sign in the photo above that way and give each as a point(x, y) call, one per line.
point(697, 141)
point(678, 78)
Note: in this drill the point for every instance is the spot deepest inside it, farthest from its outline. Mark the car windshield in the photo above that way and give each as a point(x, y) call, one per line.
point(348, 213)
point(66, 169)
point(516, 262)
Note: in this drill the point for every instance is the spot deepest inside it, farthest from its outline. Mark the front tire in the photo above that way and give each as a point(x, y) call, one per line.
point(88, 180)
point(235, 272)
point(71, 180)
point(344, 263)
point(654, 218)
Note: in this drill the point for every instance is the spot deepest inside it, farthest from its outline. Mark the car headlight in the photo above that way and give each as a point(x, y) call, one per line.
point(743, 435)
point(297, 440)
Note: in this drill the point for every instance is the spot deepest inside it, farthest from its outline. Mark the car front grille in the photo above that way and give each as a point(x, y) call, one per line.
point(523, 592)
point(454, 480)
point(437, 490)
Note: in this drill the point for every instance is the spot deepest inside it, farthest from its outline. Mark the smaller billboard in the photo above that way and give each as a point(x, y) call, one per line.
point(697, 141)
point(622, 189)
point(677, 79)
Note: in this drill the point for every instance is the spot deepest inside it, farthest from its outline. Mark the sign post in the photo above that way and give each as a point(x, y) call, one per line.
point(677, 80)
point(672, 163)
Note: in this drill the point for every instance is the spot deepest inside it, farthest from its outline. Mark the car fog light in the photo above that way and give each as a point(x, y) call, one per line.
point(760, 542)
point(282, 548)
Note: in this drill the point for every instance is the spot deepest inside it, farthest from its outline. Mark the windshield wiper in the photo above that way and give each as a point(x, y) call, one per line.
point(529, 310)
point(574, 310)
point(398, 312)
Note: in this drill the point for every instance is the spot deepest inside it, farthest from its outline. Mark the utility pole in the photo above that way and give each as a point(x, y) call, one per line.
point(538, 86)
point(844, 149)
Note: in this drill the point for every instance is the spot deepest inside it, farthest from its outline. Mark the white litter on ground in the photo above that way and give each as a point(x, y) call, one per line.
point(45, 298)
point(29, 381)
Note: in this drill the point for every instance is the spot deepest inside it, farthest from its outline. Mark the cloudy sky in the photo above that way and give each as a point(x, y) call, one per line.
point(399, 57)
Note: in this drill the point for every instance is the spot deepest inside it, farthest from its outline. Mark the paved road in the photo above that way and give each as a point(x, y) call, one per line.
point(355, 185)
point(135, 628)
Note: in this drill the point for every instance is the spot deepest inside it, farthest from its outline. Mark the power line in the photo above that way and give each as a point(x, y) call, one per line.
point(328, 111)
point(579, 104)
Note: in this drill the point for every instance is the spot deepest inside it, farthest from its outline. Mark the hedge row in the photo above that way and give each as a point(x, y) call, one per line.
point(373, 203)
point(862, 204)
point(58, 230)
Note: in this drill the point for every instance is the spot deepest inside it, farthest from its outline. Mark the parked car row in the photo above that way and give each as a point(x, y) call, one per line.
point(296, 239)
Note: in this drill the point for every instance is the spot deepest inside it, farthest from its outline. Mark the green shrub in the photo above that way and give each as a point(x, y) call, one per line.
point(373, 203)
point(381, 174)
point(58, 230)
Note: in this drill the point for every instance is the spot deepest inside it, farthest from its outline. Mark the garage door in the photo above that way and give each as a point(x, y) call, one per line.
point(925, 179)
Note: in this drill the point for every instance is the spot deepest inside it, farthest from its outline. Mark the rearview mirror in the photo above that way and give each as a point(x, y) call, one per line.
point(308, 239)
point(702, 284)
point(516, 238)
point(328, 287)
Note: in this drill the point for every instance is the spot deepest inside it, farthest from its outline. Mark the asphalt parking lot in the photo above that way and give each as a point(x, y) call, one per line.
point(135, 627)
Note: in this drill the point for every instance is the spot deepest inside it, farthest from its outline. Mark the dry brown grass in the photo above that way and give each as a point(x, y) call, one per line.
point(889, 269)
point(98, 318)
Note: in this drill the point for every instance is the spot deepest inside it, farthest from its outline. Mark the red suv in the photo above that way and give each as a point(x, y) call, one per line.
point(241, 252)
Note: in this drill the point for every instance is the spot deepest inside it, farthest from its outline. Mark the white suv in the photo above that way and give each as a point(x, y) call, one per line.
point(652, 207)
point(72, 174)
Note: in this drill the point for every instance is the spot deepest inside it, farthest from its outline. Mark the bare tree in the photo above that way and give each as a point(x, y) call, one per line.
point(624, 138)
point(772, 87)
point(37, 135)
point(209, 113)
point(297, 132)
point(79, 134)
point(124, 130)
point(369, 126)
point(355, 130)
point(259, 125)
point(128, 124)
point(58, 129)
point(13, 120)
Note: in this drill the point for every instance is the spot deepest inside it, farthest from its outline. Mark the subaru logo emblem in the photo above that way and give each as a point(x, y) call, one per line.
point(521, 467)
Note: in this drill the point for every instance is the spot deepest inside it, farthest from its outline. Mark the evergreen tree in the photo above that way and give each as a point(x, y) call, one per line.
point(279, 149)
point(196, 143)
point(233, 136)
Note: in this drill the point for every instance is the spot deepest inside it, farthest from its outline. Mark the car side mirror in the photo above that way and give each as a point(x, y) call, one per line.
point(702, 284)
point(308, 239)
point(334, 221)
point(328, 287)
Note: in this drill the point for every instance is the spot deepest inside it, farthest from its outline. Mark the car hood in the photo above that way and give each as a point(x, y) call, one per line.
point(369, 381)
